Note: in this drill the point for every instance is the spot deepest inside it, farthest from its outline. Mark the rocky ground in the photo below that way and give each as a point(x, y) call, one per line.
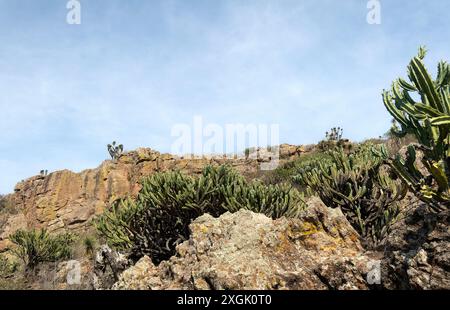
point(320, 250)
point(243, 250)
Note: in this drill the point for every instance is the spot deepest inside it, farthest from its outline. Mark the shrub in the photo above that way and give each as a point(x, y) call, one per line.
point(159, 218)
point(429, 122)
point(36, 246)
point(358, 184)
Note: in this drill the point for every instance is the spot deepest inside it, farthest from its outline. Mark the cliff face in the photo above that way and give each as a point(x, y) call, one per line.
point(64, 200)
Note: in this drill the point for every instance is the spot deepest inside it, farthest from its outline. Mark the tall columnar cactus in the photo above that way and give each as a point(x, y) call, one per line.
point(429, 121)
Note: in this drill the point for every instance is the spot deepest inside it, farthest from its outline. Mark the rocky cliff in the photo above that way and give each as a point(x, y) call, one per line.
point(65, 200)
point(243, 250)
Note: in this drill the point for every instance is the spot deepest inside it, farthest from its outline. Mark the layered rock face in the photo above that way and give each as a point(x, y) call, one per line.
point(65, 200)
point(245, 250)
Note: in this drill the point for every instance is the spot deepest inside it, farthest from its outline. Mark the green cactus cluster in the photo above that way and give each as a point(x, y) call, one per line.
point(429, 121)
point(158, 220)
point(37, 246)
point(359, 185)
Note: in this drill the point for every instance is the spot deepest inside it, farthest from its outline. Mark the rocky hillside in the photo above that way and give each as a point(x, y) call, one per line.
point(319, 250)
point(243, 250)
point(65, 200)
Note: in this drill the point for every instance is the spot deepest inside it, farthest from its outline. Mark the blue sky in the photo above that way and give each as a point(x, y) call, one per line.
point(133, 69)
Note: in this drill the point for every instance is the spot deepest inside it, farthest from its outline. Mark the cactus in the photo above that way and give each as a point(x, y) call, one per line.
point(429, 122)
point(358, 185)
point(335, 134)
point(36, 246)
point(115, 151)
point(159, 218)
point(333, 139)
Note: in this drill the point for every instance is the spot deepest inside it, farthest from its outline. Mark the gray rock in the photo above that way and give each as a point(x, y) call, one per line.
point(245, 250)
point(417, 251)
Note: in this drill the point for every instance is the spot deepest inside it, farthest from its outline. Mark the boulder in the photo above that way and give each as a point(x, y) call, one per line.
point(246, 250)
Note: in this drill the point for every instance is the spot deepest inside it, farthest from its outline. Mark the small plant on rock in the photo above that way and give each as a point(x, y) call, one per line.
point(115, 151)
point(333, 139)
point(6, 267)
point(89, 244)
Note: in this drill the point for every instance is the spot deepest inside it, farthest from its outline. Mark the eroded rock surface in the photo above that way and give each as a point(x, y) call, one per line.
point(417, 251)
point(245, 250)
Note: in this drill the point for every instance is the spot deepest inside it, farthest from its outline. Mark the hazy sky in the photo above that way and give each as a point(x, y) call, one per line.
point(133, 69)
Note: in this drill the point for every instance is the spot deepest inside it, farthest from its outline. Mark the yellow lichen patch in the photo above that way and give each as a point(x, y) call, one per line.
point(127, 159)
point(284, 243)
point(333, 245)
point(307, 229)
point(203, 228)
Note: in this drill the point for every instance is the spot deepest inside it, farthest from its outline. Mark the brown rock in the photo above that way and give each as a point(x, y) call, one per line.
point(14, 223)
point(67, 200)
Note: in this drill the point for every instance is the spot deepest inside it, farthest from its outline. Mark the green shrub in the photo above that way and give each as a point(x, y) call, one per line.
point(36, 246)
point(429, 121)
point(359, 185)
point(159, 218)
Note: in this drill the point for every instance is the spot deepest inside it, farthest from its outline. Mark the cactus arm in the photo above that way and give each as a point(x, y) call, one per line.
point(424, 83)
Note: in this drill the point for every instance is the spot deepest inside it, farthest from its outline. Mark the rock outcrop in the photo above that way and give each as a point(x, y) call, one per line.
point(65, 200)
point(245, 250)
point(320, 250)
point(417, 251)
